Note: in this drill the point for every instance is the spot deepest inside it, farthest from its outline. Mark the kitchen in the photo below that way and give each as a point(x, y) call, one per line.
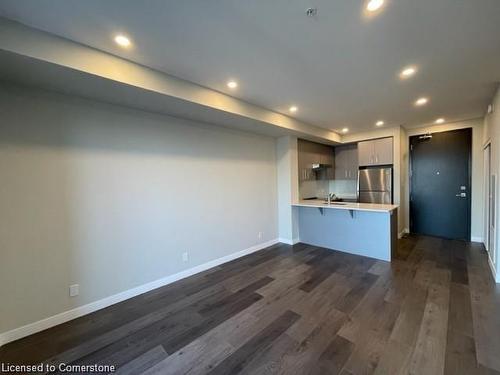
point(345, 197)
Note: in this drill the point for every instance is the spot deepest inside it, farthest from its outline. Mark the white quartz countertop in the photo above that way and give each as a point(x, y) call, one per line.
point(319, 203)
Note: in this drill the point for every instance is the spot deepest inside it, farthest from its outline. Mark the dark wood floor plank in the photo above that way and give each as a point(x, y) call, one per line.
point(304, 356)
point(316, 277)
point(212, 307)
point(460, 311)
point(429, 354)
point(408, 323)
point(143, 362)
point(175, 342)
point(460, 354)
point(269, 361)
point(258, 344)
point(371, 341)
point(434, 309)
point(361, 285)
point(333, 359)
point(121, 350)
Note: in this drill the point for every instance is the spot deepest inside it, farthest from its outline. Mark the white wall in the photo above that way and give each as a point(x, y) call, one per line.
point(109, 198)
point(492, 135)
point(288, 190)
point(477, 188)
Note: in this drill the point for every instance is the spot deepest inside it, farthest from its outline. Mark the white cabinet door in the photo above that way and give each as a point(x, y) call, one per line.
point(366, 153)
point(383, 151)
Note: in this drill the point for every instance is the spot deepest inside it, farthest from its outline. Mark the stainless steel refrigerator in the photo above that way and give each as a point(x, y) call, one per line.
point(375, 185)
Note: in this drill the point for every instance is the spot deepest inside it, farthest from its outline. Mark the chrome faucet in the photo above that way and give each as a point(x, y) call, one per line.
point(330, 197)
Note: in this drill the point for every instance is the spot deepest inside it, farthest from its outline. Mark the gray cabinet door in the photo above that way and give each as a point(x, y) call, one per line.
point(352, 162)
point(383, 151)
point(310, 153)
point(346, 162)
point(303, 156)
point(340, 163)
point(366, 151)
point(375, 152)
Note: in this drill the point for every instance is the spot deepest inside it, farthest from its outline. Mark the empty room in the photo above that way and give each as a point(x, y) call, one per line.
point(250, 187)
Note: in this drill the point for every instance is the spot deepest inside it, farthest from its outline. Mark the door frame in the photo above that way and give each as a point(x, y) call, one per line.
point(469, 169)
point(489, 221)
point(487, 187)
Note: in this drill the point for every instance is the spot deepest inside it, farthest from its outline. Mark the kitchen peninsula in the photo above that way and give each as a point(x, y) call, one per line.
point(358, 228)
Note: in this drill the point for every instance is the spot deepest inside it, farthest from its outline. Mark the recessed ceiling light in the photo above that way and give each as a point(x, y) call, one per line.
point(439, 121)
point(379, 123)
point(421, 101)
point(293, 109)
point(345, 130)
point(408, 72)
point(232, 84)
point(122, 40)
point(374, 5)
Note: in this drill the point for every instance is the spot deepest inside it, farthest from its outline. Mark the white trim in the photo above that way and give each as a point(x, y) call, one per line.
point(66, 316)
point(403, 232)
point(496, 276)
point(289, 242)
point(477, 239)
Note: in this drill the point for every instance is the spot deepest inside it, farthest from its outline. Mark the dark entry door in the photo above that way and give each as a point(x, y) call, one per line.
point(440, 167)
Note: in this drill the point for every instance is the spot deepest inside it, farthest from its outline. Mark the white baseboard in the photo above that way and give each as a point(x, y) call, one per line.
point(66, 316)
point(403, 232)
point(477, 239)
point(289, 242)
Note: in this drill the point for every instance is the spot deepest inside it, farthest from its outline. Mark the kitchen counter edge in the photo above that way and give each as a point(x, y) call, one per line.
point(373, 207)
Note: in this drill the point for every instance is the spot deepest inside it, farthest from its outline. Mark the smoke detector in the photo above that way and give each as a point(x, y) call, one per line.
point(311, 12)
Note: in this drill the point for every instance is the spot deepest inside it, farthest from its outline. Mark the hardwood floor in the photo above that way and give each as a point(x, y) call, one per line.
point(298, 310)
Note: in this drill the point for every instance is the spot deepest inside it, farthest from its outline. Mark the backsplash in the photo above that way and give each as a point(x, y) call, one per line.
point(321, 188)
point(309, 189)
point(343, 188)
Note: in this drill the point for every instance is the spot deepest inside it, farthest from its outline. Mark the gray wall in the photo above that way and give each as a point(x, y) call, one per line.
point(109, 198)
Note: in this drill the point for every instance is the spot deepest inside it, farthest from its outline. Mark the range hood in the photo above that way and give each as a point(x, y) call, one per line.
point(319, 166)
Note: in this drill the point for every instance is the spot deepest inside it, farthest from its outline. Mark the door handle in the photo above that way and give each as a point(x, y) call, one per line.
point(462, 195)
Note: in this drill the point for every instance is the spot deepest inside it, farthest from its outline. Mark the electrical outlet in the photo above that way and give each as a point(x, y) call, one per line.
point(260, 235)
point(185, 256)
point(74, 290)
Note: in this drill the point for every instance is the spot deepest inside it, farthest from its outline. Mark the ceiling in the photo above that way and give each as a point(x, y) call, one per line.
point(340, 67)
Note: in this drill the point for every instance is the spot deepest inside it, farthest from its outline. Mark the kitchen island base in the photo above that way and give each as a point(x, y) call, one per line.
point(369, 233)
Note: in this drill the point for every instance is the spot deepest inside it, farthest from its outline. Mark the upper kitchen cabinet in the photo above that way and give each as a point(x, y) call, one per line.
point(375, 152)
point(315, 161)
point(346, 162)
